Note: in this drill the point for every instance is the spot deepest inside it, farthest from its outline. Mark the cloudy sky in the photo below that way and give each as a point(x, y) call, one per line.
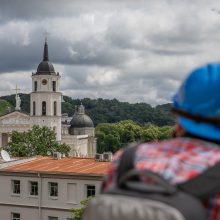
point(135, 51)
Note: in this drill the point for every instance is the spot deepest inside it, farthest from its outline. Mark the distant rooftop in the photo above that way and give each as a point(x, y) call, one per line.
point(14, 161)
point(66, 165)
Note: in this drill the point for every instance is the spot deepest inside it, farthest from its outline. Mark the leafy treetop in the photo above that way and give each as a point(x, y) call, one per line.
point(37, 141)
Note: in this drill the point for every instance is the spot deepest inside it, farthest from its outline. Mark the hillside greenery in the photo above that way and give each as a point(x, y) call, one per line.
point(111, 137)
point(5, 106)
point(108, 111)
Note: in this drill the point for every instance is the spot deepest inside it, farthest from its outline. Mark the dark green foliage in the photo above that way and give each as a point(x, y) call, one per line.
point(111, 137)
point(37, 141)
point(109, 111)
point(25, 101)
point(3, 107)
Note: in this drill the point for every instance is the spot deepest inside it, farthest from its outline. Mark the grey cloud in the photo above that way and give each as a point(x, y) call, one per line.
point(35, 10)
point(136, 51)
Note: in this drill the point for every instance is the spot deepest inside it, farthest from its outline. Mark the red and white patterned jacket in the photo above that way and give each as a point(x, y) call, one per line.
point(177, 160)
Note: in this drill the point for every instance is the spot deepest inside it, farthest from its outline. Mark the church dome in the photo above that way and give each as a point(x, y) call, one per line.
point(45, 67)
point(80, 119)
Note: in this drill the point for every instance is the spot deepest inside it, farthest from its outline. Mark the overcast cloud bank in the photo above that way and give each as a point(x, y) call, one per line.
point(135, 51)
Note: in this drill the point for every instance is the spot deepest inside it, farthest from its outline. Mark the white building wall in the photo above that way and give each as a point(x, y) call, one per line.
point(26, 213)
point(78, 146)
point(42, 206)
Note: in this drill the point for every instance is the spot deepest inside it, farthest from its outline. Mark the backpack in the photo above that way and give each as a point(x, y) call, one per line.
point(132, 199)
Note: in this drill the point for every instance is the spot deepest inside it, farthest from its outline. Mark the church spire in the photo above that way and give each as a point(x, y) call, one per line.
point(46, 56)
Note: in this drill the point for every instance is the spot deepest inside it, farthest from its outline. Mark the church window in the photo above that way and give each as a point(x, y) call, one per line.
point(35, 86)
point(34, 108)
point(54, 85)
point(55, 108)
point(44, 108)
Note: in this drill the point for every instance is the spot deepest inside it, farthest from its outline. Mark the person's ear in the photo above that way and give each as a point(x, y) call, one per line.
point(179, 130)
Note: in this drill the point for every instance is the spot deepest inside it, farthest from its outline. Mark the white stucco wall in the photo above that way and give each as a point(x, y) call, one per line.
point(43, 205)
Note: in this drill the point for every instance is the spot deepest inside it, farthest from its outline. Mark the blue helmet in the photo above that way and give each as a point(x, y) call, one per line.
point(197, 102)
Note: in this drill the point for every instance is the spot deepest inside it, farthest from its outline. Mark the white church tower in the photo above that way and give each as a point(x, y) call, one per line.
point(45, 101)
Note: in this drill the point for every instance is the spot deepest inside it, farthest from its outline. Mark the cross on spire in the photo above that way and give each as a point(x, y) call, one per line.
point(17, 99)
point(46, 33)
point(16, 89)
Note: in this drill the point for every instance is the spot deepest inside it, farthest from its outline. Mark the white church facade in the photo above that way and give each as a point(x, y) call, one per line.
point(45, 110)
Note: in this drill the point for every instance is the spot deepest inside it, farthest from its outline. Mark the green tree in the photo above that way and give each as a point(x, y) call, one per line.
point(77, 213)
point(165, 132)
point(37, 141)
point(129, 131)
point(111, 137)
point(150, 133)
point(108, 138)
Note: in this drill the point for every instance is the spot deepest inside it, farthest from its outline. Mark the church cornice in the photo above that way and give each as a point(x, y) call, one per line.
point(45, 116)
point(14, 113)
point(35, 75)
point(47, 92)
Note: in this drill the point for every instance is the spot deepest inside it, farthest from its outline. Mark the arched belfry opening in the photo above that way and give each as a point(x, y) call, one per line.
point(44, 108)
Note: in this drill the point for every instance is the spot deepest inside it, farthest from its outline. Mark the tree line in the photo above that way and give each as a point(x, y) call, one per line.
point(111, 137)
point(109, 111)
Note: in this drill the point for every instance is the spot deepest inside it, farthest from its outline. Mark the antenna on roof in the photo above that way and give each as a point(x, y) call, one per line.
point(5, 155)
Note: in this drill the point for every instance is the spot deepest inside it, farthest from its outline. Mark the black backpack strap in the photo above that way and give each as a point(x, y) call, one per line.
point(201, 186)
point(126, 162)
point(205, 184)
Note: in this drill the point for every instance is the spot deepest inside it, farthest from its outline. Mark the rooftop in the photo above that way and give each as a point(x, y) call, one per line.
point(66, 165)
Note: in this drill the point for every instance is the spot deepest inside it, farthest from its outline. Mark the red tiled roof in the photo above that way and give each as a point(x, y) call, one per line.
point(64, 165)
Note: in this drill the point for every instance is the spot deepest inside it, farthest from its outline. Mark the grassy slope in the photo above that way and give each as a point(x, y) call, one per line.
point(3, 106)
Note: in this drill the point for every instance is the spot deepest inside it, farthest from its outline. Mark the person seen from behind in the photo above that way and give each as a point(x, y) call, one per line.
point(195, 146)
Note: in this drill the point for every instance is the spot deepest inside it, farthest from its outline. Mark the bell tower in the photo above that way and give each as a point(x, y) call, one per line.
point(45, 98)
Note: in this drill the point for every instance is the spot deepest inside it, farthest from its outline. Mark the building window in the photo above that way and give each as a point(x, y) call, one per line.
point(16, 186)
point(34, 108)
point(35, 86)
point(54, 85)
point(53, 189)
point(33, 187)
point(90, 190)
point(15, 216)
point(52, 218)
point(55, 108)
point(44, 108)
